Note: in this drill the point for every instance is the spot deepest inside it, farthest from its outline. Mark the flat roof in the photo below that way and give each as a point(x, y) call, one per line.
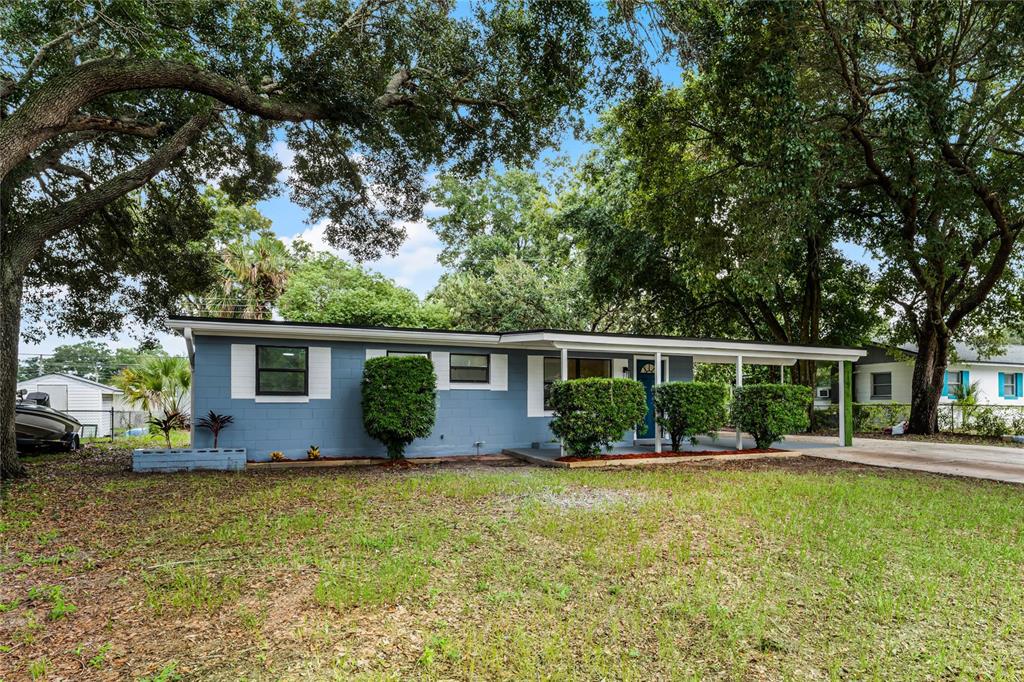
point(703, 349)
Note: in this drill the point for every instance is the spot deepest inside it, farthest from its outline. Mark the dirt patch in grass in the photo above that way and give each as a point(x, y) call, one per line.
point(590, 498)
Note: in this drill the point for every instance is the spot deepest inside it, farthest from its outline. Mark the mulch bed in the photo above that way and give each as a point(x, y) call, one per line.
point(670, 453)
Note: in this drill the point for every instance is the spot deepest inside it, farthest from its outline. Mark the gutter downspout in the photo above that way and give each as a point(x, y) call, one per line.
point(191, 350)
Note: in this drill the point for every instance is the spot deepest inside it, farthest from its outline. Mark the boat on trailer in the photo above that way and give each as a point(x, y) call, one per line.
point(37, 425)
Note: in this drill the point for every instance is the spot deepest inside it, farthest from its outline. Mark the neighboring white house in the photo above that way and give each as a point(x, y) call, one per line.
point(90, 402)
point(886, 375)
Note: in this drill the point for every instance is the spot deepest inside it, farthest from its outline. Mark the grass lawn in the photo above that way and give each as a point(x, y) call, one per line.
point(801, 569)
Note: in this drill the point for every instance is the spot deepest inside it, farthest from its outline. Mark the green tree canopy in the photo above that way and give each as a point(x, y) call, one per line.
point(89, 359)
point(903, 115)
point(512, 255)
point(708, 246)
point(113, 114)
point(325, 288)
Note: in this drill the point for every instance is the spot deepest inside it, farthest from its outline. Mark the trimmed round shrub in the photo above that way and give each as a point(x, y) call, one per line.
point(399, 400)
point(770, 411)
point(687, 409)
point(593, 413)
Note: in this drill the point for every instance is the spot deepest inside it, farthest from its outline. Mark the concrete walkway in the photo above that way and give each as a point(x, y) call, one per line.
point(976, 461)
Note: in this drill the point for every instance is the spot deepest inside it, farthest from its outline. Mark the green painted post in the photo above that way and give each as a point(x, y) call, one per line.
point(848, 401)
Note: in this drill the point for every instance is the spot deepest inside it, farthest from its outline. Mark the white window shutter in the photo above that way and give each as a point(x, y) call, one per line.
point(243, 371)
point(375, 353)
point(535, 386)
point(499, 372)
point(320, 373)
point(441, 369)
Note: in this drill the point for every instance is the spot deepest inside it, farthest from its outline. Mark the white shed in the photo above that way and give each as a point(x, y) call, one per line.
point(90, 402)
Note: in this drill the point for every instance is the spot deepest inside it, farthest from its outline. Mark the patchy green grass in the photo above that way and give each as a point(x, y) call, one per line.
point(179, 439)
point(791, 570)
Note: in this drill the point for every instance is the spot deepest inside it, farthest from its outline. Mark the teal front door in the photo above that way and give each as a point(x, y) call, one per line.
point(645, 375)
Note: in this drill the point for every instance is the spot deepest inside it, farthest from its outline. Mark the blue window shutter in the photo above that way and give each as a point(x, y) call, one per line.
point(945, 384)
point(1018, 382)
point(965, 379)
point(1002, 385)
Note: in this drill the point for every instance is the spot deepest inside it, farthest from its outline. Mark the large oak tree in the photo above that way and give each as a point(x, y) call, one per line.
point(113, 114)
point(907, 114)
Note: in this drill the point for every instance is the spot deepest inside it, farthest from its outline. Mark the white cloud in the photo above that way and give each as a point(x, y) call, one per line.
point(415, 266)
point(286, 157)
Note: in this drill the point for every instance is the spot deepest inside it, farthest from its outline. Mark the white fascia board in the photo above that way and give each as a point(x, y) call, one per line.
point(758, 353)
point(763, 352)
point(411, 336)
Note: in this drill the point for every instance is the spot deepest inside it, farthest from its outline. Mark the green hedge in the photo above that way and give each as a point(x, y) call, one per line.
point(593, 413)
point(687, 409)
point(399, 403)
point(770, 411)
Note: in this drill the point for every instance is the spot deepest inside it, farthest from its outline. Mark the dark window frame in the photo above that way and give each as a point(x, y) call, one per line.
point(486, 380)
point(305, 371)
point(874, 394)
point(546, 385)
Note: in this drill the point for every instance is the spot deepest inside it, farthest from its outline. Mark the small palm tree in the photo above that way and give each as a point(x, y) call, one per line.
point(252, 274)
point(157, 385)
point(214, 423)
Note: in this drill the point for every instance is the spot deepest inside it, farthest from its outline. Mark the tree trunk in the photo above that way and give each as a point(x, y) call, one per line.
point(10, 330)
point(929, 373)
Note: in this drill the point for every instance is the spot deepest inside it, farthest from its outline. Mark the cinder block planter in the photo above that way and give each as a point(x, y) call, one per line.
point(187, 459)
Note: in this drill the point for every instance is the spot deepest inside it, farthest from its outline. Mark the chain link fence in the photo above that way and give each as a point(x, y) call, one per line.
point(956, 418)
point(112, 424)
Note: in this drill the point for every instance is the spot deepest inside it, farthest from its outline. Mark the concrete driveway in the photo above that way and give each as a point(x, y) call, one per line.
point(976, 461)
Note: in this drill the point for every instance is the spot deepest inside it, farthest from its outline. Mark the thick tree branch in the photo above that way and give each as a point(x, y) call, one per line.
point(126, 126)
point(27, 241)
point(52, 108)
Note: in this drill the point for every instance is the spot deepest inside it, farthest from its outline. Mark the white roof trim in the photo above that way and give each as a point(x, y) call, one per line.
point(298, 331)
point(71, 377)
point(711, 350)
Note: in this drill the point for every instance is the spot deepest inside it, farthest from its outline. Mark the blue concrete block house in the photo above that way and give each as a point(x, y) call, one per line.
point(290, 385)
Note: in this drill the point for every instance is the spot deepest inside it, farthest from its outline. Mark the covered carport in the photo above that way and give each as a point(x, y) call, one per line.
point(719, 351)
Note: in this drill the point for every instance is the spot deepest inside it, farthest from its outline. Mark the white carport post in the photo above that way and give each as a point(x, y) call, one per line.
point(657, 382)
point(842, 404)
point(739, 384)
point(564, 376)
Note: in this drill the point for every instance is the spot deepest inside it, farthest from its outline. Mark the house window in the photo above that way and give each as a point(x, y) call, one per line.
point(953, 383)
point(881, 386)
point(469, 369)
point(579, 368)
point(282, 370)
point(407, 353)
point(1010, 386)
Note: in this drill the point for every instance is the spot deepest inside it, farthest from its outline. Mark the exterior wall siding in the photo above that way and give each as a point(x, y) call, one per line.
point(496, 419)
point(985, 375)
